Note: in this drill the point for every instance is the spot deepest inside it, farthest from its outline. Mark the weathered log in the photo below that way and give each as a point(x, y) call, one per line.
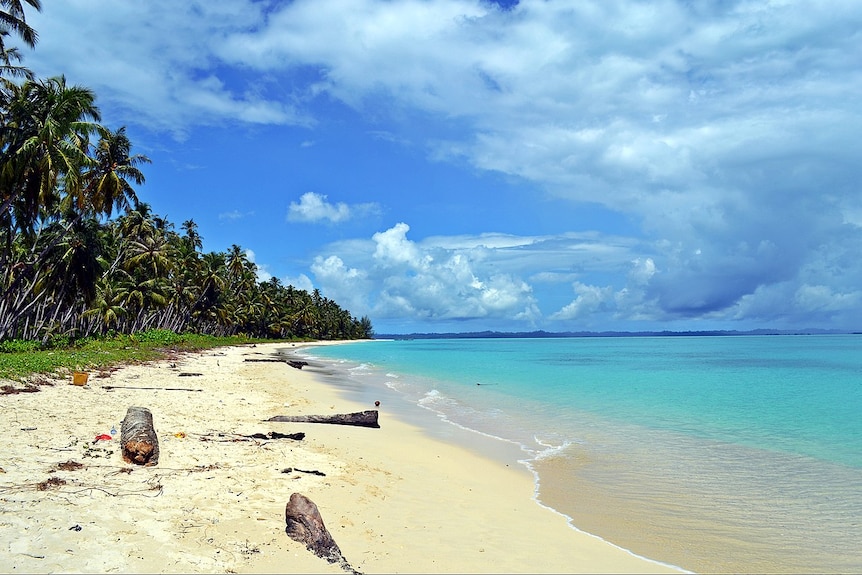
point(305, 525)
point(276, 435)
point(291, 362)
point(360, 418)
point(309, 471)
point(112, 387)
point(138, 438)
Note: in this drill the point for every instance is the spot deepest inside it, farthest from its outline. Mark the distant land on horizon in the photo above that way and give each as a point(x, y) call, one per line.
point(665, 333)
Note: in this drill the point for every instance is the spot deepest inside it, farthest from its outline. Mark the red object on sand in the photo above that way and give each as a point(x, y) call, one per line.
point(103, 437)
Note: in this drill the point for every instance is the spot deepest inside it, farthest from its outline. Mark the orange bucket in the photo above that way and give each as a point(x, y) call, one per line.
point(80, 377)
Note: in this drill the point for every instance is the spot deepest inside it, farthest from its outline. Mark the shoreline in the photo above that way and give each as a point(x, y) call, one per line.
point(506, 451)
point(394, 498)
point(705, 505)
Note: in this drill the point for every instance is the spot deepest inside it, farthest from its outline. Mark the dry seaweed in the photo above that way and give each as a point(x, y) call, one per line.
point(49, 483)
point(69, 465)
point(12, 390)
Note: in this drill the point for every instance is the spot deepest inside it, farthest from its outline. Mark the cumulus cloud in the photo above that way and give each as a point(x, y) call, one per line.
point(590, 299)
point(422, 280)
point(313, 208)
point(301, 281)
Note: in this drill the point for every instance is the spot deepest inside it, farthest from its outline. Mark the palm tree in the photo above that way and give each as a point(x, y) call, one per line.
point(208, 310)
point(137, 222)
point(151, 254)
point(107, 182)
point(8, 65)
point(107, 307)
point(44, 139)
point(192, 237)
point(13, 19)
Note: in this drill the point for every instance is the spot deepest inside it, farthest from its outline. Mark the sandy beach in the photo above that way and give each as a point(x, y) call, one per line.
point(395, 499)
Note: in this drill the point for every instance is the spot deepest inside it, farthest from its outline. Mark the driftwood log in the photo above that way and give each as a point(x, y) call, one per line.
point(276, 435)
point(111, 387)
point(291, 362)
point(305, 525)
point(359, 419)
point(138, 438)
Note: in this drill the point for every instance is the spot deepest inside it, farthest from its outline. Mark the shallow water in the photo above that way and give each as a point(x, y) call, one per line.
point(717, 454)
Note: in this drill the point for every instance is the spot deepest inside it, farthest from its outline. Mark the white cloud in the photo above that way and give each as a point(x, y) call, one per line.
point(642, 271)
point(821, 298)
point(263, 274)
point(421, 280)
point(302, 282)
point(235, 215)
point(313, 208)
point(590, 299)
point(162, 70)
point(394, 249)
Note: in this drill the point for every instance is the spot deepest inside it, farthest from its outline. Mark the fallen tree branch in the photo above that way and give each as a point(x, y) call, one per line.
point(233, 437)
point(360, 419)
point(298, 470)
point(150, 388)
point(290, 362)
point(276, 435)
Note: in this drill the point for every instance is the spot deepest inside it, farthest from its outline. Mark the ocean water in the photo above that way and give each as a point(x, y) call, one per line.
point(715, 454)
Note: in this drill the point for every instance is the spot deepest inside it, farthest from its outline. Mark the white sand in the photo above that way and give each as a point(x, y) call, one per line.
point(394, 499)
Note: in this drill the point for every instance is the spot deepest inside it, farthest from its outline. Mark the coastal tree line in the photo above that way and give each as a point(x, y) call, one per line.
point(80, 255)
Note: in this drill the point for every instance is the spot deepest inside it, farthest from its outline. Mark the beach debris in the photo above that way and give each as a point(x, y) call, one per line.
point(102, 437)
point(299, 436)
point(75, 527)
point(90, 451)
point(189, 374)
point(298, 470)
point(69, 465)
point(12, 390)
point(109, 387)
point(138, 438)
point(232, 437)
point(291, 362)
point(50, 482)
point(360, 419)
point(305, 525)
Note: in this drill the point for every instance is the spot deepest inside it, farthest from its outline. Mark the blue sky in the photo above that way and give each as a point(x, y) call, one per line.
point(462, 165)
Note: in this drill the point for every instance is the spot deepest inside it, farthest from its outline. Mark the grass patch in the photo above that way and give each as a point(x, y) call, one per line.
point(22, 359)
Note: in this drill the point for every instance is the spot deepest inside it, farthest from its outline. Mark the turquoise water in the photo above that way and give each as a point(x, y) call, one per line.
point(739, 453)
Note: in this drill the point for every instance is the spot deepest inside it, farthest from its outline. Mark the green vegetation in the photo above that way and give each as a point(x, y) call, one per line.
point(71, 271)
point(22, 359)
